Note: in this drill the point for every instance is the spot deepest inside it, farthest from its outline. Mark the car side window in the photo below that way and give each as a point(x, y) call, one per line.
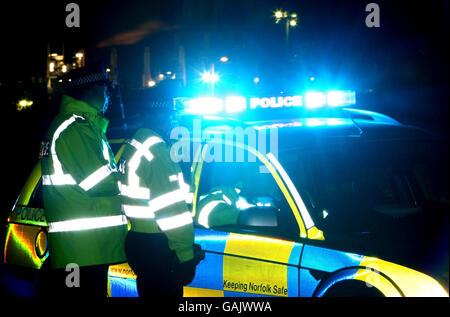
point(239, 197)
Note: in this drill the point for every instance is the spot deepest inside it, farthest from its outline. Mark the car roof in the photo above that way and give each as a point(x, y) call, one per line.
point(355, 125)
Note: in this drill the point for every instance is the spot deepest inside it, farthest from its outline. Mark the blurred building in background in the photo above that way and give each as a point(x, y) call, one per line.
point(59, 64)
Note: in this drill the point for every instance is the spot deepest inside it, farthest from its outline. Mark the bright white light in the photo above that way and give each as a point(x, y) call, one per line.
point(311, 78)
point(151, 83)
point(64, 68)
point(161, 76)
point(224, 59)
point(256, 80)
point(204, 105)
point(235, 104)
point(313, 122)
point(293, 23)
point(208, 77)
point(52, 67)
point(242, 204)
point(340, 98)
point(278, 14)
point(315, 99)
point(79, 55)
point(335, 121)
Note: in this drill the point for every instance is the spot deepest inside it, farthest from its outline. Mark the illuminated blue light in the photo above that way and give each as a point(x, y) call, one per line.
point(204, 105)
point(314, 99)
point(276, 102)
point(208, 77)
point(123, 287)
point(340, 98)
point(313, 122)
point(235, 104)
point(242, 204)
point(335, 121)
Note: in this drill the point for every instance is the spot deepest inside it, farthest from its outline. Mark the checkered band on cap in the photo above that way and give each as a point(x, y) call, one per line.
point(88, 79)
point(161, 104)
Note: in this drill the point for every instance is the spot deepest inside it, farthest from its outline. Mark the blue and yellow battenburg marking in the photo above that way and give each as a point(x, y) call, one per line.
point(121, 281)
point(234, 265)
point(245, 265)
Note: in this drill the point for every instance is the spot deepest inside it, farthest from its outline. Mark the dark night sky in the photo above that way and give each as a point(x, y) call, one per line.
point(415, 33)
point(406, 60)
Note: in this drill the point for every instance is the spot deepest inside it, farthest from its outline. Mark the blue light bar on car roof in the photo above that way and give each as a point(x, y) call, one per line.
point(236, 104)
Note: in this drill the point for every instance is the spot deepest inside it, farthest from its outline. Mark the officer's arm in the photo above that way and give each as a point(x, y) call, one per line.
point(88, 159)
point(168, 193)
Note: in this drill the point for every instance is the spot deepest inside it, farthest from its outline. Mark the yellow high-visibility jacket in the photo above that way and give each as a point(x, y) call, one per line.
point(86, 225)
point(218, 207)
point(154, 193)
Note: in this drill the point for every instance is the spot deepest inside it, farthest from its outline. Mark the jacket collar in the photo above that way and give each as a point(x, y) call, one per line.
point(71, 105)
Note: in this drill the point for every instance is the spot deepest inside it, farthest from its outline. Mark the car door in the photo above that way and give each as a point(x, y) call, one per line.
point(247, 258)
point(26, 234)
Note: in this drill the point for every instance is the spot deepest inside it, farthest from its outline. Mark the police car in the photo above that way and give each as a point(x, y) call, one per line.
point(327, 200)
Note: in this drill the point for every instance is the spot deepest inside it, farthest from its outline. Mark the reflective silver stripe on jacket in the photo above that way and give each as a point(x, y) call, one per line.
point(132, 189)
point(54, 179)
point(188, 195)
point(59, 178)
point(155, 205)
point(97, 177)
point(203, 216)
point(141, 212)
point(174, 222)
point(86, 224)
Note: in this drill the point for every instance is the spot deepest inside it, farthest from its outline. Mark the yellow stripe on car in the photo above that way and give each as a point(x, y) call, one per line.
point(412, 283)
point(256, 265)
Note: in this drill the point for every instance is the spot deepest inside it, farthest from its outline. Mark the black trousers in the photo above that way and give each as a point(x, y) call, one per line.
point(150, 257)
point(57, 282)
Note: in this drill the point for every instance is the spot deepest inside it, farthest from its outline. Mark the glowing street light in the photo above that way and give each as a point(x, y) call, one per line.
point(290, 19)
point(151, 83)
point(208, 77)
point(224, 59)
point(24, 103)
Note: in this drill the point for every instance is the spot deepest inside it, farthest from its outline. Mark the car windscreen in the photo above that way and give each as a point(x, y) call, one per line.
point(348, 187)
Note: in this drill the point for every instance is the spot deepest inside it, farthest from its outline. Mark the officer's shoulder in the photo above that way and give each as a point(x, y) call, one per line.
point(79, 126)
point(145, 133)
